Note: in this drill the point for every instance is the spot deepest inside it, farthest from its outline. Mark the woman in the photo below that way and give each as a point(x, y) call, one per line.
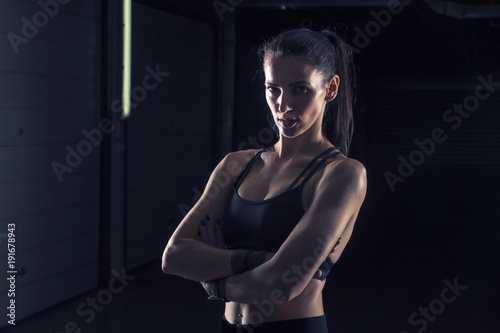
point(287, 211)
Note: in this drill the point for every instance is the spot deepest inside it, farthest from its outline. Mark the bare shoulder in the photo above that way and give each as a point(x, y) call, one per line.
point(347, 173)
point(238, 157)
point(345, 166)
point(234, 162)
point(241, 155)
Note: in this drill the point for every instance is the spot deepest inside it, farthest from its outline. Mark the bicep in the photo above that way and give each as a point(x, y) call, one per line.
point(213, 199)
point(335, 205)
point(184, 255)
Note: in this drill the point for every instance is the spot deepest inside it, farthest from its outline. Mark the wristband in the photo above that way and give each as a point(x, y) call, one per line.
point(325, 268)
point(216, 290)
point(255, 258)
point(244, 260)
point(238, 261)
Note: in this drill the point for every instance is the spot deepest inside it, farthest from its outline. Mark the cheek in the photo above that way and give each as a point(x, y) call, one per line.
point(312, 104)
point(271, 103)
point(268, 100)
point(312, 109)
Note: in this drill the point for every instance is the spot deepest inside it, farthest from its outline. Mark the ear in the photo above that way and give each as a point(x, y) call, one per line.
point(332, 88)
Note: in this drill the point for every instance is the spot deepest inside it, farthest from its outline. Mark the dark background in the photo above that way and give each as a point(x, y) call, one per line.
point(441, 223)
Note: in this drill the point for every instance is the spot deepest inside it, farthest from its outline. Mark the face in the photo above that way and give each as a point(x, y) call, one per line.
point(296, 94)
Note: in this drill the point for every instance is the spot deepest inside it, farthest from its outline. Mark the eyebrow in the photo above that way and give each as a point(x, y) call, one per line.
point(291, 84)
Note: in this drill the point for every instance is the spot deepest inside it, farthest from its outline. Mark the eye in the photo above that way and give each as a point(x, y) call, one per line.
point(301, 89)
point(272, 89)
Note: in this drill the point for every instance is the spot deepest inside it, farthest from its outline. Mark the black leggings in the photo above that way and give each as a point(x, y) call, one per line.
point(303, 325)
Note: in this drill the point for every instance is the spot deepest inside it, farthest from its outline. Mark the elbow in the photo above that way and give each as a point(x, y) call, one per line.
point(285, 287)
point(283, 294)
point(168, 260)
point(279, 294)
point(279, 290)
point(165, 267)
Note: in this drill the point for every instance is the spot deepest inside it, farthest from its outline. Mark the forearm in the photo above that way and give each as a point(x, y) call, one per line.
point(278, 279)
point(257, 285)
point(195, 260)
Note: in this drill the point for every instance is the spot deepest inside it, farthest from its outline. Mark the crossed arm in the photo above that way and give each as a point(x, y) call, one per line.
point(338, 197)
point(193, 259)
point(211, 233)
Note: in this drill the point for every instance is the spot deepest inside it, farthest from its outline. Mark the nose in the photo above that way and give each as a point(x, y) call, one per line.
point(284, 103)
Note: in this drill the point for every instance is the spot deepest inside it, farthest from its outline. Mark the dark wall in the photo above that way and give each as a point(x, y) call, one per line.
point(50, 81)
point(169, 130)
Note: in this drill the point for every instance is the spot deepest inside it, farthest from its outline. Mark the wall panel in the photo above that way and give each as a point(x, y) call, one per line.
point(169, 132)
point(50, 93)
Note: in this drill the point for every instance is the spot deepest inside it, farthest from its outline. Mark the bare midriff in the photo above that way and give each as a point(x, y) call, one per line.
point(308, 304)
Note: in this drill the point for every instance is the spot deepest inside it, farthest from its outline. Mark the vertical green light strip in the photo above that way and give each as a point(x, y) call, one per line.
point(127, 57)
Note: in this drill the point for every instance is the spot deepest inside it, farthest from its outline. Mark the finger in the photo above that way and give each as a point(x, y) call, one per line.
point(318, 274)
point(203, 232)
point(218, 234)
point(335, 246)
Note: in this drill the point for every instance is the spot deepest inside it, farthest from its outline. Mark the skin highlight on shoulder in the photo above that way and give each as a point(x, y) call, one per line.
point(345, 168)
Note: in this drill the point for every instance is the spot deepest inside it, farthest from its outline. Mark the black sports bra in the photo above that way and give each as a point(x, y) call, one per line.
point(265, 224)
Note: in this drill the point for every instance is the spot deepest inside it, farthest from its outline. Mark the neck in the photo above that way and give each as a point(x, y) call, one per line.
point(308, 142)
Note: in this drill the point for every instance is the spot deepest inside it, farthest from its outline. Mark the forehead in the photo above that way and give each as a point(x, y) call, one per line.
point(289, 69)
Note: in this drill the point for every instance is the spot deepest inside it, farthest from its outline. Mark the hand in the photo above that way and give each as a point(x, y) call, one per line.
point(335, 246)
point(210, 232)
point(319, 273)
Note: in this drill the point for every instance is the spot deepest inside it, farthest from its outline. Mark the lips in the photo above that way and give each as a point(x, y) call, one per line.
point(288, 123)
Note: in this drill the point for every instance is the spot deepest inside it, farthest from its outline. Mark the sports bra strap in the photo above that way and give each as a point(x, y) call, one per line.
point(308, 167)
point(252, 161)
point(249, 166)
point(317, 166)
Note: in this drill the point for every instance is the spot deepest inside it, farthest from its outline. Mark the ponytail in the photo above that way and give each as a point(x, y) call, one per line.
point(338, 124)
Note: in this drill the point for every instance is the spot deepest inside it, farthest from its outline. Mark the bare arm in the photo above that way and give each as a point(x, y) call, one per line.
point(337, 200)
point(190, 258)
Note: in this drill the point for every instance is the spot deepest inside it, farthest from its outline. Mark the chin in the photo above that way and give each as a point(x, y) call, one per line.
point(290, 134)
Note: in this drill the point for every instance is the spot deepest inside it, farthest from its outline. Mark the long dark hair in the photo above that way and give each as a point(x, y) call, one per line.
point(329, 54)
